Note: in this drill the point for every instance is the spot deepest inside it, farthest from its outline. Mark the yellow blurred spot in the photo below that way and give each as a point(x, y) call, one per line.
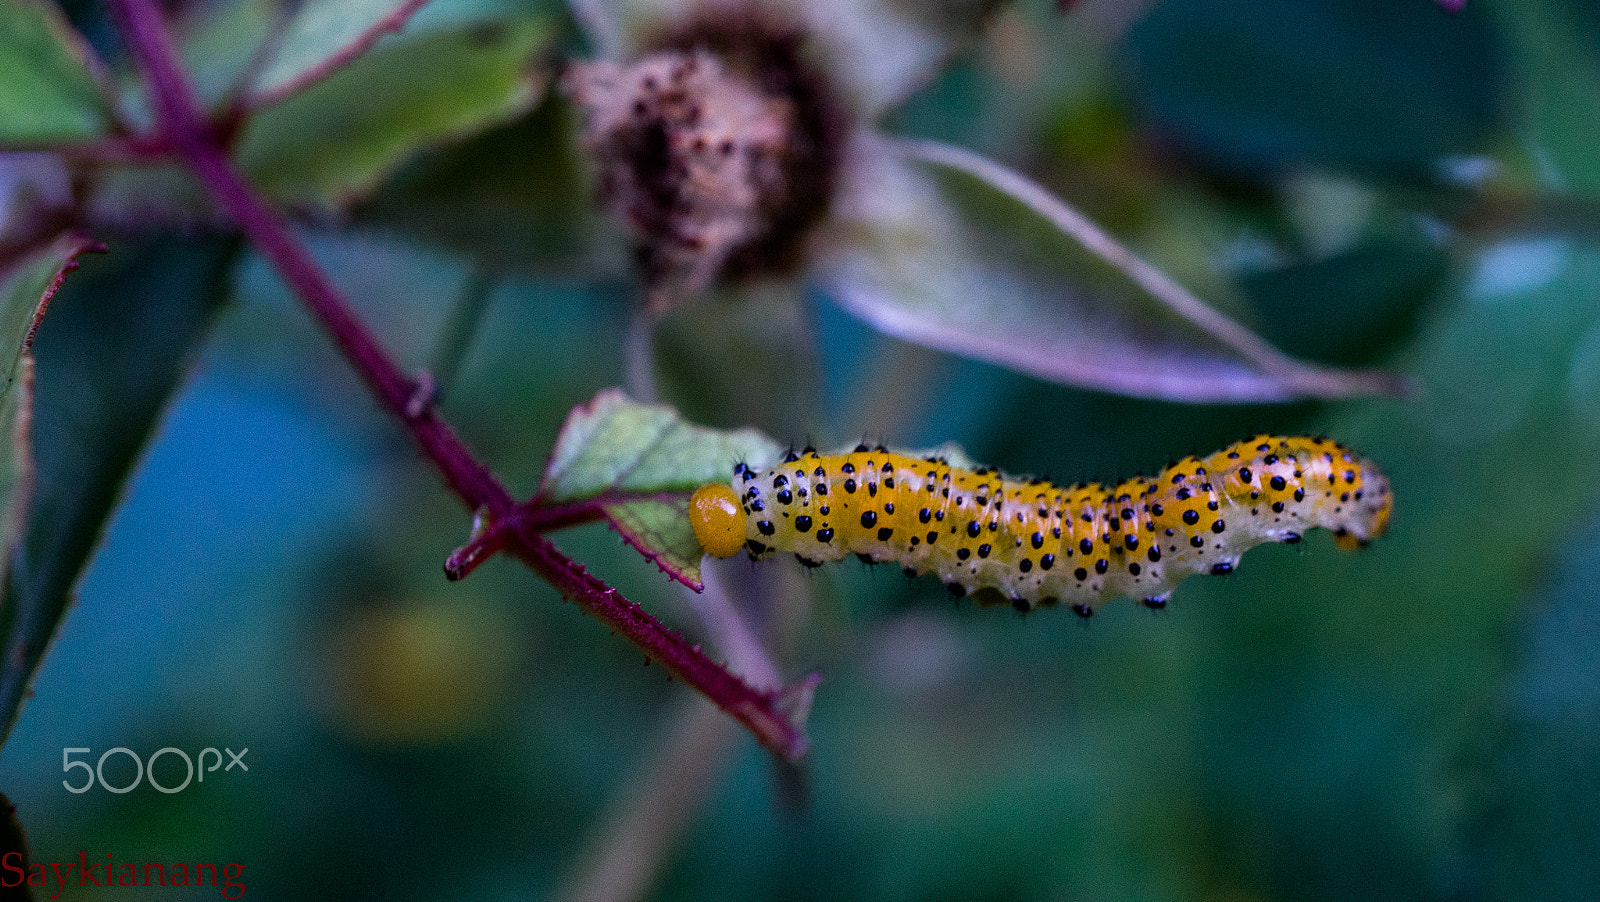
point(420, 673)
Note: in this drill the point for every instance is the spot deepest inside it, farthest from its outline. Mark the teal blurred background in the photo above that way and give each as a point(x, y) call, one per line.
point(1370, 182)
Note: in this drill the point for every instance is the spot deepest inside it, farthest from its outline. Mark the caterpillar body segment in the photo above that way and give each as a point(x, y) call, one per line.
point(1030, 542)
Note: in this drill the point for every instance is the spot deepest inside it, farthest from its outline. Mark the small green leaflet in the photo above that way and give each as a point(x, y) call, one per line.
point(641, 462)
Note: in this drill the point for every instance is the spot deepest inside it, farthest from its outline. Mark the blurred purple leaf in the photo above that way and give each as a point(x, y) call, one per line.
point(880, 51)
point(940, 246)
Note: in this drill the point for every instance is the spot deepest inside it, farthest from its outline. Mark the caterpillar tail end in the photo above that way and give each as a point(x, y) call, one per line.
point(1375, 502)
point(718, 520)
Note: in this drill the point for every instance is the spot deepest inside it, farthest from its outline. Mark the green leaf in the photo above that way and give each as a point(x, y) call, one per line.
point(25, 293)
point(1374, 85)
point(1352, 307)
point(1546, 775)
point(47, 90)
point(616, 447)
point(1559, 75)
point(660, 531)
point(325, 33)
point(614, 444)
point(942, 247)
point(219, 44)
point(334, 142)
point(514, 198)
point(118, 341)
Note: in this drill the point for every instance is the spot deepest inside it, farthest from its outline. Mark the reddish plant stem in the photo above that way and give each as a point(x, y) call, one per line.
point(538, 516)
point(542, 516)
point(113, 150)
point(184, 126)
point(545, 519)
point(756, 709)
point(478, 549)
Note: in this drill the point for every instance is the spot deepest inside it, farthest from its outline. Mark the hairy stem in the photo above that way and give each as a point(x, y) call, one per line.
point(182, 123)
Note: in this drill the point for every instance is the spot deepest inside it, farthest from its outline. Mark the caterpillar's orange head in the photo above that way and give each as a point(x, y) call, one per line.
point(718, 520)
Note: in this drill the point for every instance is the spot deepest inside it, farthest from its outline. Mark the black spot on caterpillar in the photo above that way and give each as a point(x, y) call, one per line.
point(1195, 516)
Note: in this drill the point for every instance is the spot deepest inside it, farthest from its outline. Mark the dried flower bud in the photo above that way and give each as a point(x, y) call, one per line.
point(714, 151)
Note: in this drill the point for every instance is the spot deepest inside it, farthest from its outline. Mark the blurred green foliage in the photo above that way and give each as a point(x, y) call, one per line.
point(1364, 181)
point(46, 91)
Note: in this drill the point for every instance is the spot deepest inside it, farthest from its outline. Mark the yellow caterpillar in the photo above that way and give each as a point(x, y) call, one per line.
point(1029, 542)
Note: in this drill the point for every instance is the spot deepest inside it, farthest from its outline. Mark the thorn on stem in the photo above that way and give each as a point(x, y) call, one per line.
point(794, 702)
point(423, 397)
